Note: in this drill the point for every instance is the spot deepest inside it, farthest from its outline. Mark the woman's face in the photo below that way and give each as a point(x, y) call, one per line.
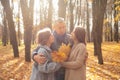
point(60, 28)
point(51, 39)
point(73, 37)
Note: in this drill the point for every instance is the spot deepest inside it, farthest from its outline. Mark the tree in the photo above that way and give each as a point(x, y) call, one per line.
point(116, 32)
point(50, 14)
point(18, 20)
point(79, 12)
point(71, 16)
point(62, 8)
point(27, 13)
point(45, 13)
point(4, 31)
point(88, 27)
point(99, 7)
point(11, 26)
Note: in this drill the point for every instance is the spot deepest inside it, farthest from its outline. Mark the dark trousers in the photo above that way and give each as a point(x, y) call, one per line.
point(60, 74)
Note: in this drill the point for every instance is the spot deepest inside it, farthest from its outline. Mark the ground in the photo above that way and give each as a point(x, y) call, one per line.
point(17, 69)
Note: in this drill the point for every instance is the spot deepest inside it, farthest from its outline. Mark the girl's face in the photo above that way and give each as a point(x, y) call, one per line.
point(51, 39)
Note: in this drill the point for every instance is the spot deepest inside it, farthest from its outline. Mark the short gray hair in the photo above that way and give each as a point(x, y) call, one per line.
point(58, 20)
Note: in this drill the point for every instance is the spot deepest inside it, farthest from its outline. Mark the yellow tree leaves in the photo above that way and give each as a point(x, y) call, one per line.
point(58, 56)
point(62, 54)
point(117, 2)
point(117, 8)
point(64, 48)
point(105, 21)
point(117, 17)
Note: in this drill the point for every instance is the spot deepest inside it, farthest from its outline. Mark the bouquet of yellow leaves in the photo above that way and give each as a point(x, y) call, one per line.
point(62, 54)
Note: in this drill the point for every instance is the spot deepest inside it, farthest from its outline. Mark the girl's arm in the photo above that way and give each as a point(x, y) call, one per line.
point(48, 66)
point(38, 58)
point(34, 53)
point(79, 60)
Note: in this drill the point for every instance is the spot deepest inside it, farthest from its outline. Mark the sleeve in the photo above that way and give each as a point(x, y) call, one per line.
point(79, 60)
point(34, 53)
point(48, 66)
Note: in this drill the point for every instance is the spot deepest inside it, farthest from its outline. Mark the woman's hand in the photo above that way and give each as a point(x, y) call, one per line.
point(86, 57)
point(39, 59)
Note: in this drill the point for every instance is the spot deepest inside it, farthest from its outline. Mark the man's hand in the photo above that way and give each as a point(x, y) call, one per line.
point(39, 59)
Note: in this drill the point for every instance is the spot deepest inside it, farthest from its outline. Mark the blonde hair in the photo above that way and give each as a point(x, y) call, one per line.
point(43, 36)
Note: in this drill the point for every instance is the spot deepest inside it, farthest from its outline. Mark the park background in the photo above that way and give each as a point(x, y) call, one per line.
point(21, 19)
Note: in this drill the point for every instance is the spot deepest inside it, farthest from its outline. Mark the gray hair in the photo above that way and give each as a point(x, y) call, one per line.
point(58, 20)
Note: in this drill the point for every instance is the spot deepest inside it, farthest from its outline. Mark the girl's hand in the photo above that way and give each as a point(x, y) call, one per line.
point(40, 59)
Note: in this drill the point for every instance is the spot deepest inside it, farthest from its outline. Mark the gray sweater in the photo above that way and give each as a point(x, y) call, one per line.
point(44, 71)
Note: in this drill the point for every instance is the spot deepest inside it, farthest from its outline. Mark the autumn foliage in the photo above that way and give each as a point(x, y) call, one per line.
point(17, 69)
point(62, 54)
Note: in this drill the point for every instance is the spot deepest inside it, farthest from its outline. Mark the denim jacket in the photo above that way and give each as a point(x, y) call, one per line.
point(44, 71)
point(59, 74)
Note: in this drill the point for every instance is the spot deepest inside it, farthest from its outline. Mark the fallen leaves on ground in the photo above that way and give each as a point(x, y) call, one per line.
point(17, 69)
point(110, 70)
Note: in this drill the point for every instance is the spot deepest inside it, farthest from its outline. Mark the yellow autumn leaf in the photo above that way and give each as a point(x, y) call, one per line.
point(62, 53)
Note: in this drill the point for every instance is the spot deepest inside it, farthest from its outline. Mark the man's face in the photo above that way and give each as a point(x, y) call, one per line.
point(60, 28)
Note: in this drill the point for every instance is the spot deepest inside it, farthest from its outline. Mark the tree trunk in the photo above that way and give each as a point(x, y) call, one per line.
point(111, 30)
point(61, 8)
point(4, 31)
point(94, 25)
point(41, 19)
point(99, 7)
point(11, 26)
point(79, 13)
point(116, 32)
point(88, 27)
point(50, 14)
point(76, 12)
point(27, 14)
point(19, 33)
point(71, 16)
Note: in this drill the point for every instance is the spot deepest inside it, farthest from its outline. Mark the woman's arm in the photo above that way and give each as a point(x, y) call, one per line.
point(79, 59)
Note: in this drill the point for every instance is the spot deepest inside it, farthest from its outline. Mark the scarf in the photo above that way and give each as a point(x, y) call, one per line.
point(59, 38)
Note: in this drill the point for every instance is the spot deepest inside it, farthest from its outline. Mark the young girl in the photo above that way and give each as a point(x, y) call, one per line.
point(46, 70)
point(75, 66)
